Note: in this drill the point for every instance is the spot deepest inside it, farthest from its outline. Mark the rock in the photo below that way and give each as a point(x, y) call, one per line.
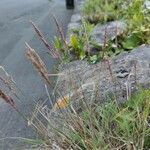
point(76, 18)
point(108, 31)
point(74, 26)
point(114, 78)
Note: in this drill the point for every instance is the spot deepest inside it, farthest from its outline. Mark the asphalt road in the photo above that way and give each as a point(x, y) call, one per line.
point(15, 30)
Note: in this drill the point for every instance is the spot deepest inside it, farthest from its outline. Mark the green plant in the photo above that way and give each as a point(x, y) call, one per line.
point(97, 125)
point(58, 44)
point(102, 10)
point(135, 14)
point(80, 41)
point(107, 126)
point(78, 45)
point(137, 18)
point(132, 12)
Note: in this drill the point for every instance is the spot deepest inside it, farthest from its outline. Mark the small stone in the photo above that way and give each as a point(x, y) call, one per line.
point(108, 31)
point(74, 26)
point(76, 18)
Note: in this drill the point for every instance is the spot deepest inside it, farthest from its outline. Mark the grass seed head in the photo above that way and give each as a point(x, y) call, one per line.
point(37, 63)
point(7, 99)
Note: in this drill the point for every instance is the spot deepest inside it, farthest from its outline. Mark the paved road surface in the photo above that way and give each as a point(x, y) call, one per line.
point(15, 30)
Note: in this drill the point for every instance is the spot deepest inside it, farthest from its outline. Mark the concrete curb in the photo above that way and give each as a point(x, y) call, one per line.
point(75, 22)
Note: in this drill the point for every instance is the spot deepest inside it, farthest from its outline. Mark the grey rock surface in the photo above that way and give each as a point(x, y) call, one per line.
point(74, 26)
point(114, 78)
point(76, 18)
point(108, 31)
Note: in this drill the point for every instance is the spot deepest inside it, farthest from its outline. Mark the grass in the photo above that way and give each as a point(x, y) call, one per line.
point(97, 125)
point(107, 126)
point(100, 11)
point(133, 12)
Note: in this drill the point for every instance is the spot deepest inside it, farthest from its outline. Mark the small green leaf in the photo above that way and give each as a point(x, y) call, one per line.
point(82, 55)
point(94, 59)
point(57, 43)
point(131, 42)
point(74, 41)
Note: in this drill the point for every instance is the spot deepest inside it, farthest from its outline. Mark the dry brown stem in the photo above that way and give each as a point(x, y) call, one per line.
point(7, 99)
point(52, 52)
point(38, 63)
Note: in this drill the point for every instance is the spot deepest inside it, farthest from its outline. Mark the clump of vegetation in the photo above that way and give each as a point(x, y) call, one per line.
point(97, 126)
point(136, 16)
point(132, 12)
point(80, 45)
point(100, 11)
point(107, 126)
point(138, 20)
